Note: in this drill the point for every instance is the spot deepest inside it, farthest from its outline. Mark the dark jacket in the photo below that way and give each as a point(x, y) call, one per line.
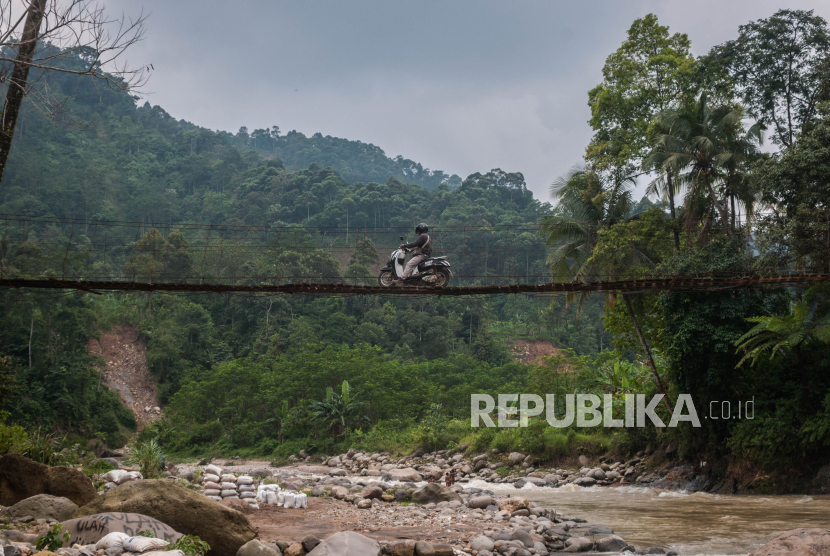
point(420, 242)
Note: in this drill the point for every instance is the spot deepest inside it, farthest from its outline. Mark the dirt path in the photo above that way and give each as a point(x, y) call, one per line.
point(127, 372)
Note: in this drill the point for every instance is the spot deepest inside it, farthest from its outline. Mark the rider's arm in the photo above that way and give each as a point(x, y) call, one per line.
point(420, 242)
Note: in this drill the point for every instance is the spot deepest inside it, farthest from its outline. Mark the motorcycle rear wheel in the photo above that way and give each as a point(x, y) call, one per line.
point(443, 278)
point(385, 278)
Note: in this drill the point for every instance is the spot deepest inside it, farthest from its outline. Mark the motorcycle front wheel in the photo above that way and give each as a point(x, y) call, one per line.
point(385, 278)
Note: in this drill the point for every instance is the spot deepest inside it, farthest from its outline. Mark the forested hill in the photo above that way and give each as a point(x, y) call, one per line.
point(133, 161)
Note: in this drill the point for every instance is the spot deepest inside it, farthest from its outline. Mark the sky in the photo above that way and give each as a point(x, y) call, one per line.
point(461, 86)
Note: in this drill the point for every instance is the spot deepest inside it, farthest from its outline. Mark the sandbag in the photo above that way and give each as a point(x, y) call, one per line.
point(114, 475)
point(165, 553)
point(210, 477)
point(301, 500)
point(247, 495)
point(213, 470)
point(243, 480)
point(230, 498)
point(211, 484)
point(130, 476)
point(271, 497)
point(289, 500)
point(112, 540)
point(228, 478)
point(143, 544)
point(280, 498)
point(228, 492)
point(225, 485)
point(212, 492)
point(246, 488)
point(217, 498)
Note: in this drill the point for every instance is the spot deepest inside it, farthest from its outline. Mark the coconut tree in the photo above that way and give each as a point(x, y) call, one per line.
point(707, 149)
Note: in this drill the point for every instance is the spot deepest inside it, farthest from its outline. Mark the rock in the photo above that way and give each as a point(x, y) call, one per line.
point(400, 548)
point(347, 543)
point(91, 529)
point(585, 481)
point(583, 460)
point(22, 478)
point(516, 457)
point(186, 511)
point(598, 474)
point(443, 549)
point(523, 537)
point(434, 492)
point(797, 542)
point(260, 473)
point(339, 492)
point(401, 494)
point(43, 506)
point(612, 543)
point(295, 549)
point(310, 542)
point(512, 504)
point(480, 502)
point(578, 544)
point(256, 548)
point(482, 543)
point(405, 475)
point(423, 548)
point(372, 491)
point(11, 550)
point(364, 503)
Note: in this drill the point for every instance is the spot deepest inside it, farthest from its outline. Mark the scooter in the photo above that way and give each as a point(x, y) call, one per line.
point(435, 271)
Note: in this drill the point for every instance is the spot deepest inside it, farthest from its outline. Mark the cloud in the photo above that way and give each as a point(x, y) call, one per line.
point(459, 86)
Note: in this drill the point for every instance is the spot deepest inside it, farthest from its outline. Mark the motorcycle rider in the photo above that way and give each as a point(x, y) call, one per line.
point(421, 250)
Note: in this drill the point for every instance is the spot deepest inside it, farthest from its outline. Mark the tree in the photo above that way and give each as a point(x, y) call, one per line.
point(339, 412)
point(75, 37)
point(651, 72)
point(778, 66)
point(707, 149)
point(797, 186)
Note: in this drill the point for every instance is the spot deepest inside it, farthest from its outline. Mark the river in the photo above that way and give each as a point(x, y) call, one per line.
point(688, 523)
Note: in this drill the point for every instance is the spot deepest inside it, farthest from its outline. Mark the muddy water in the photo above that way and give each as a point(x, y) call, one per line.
point(689, 523)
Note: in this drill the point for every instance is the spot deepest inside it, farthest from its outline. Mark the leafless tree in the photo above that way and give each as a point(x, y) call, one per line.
point(50, 36)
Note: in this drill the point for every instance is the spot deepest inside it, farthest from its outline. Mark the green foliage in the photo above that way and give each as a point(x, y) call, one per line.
point(13, 438)
point(148, 457)
point(191, 545)
point(149, 533)
point(339, 412)
point(53, 539)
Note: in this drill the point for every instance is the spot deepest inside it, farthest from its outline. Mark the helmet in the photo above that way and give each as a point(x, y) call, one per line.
point(421, 228)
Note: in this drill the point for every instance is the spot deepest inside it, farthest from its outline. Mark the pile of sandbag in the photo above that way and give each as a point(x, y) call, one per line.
point(271, 494)
point(147, 546)
point(224, 486)
point(121, 476)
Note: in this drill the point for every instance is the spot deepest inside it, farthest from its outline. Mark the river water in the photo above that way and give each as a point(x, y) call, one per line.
point(689, 523)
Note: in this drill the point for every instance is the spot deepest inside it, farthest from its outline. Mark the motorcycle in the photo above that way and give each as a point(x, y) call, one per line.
point(434, 271)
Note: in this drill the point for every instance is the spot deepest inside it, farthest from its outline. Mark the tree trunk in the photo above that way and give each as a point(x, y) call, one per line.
point(31, 332)
point(673, 215)
point(648, 354)
point(20, 75)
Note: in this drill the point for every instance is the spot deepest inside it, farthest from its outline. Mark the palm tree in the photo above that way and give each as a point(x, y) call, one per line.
point(340, 412)
point(280, 415)
point(707, 149)
point(588, 202)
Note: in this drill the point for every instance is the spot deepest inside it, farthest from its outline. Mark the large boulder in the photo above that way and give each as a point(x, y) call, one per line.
point(43, 506)
point(797, 542)
point(405, 475)
point(611, 543)
point(256, 548)
point(22, 478)
point(512, 504)
point(347, 543)
point(434, 492)
point(186, 511)
point(91, 529)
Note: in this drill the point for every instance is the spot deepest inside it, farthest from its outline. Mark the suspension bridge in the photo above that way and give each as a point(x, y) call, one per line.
point(96, 256)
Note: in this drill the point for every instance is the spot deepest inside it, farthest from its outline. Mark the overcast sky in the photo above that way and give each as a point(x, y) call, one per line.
point(460, 86)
